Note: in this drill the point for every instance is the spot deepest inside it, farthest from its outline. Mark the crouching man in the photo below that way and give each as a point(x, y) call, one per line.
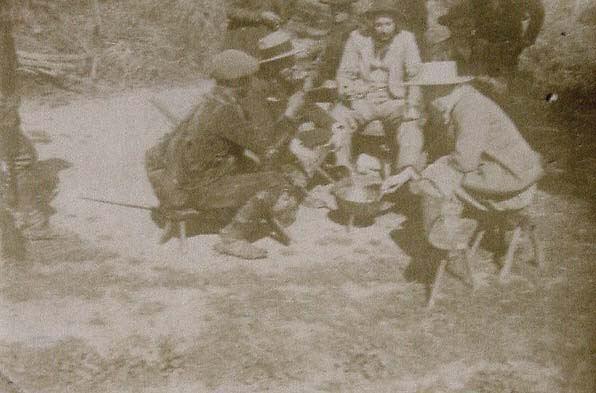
point(200, 165)
point(491, 167)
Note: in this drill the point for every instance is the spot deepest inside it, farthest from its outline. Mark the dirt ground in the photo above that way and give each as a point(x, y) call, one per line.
point(106, 309)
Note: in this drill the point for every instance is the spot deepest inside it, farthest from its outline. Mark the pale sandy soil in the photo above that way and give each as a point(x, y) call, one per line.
point(106, 309)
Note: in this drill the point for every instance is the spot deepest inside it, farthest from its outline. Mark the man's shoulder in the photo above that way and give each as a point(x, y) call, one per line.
point(405, 36)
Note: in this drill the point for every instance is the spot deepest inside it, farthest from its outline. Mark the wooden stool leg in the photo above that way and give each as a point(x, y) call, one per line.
point(537, 247)
point(469, 258)
point(436, 284)
point(167, 232)
point(506, 269)
point(182, 227)
point(350, 223)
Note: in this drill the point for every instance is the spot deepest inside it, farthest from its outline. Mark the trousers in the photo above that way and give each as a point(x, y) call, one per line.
point(405, 136)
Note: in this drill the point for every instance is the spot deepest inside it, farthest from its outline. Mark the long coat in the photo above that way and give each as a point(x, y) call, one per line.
point(245, 26)
point(489, 149)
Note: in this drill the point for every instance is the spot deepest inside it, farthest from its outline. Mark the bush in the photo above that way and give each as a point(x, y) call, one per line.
point(140, 41)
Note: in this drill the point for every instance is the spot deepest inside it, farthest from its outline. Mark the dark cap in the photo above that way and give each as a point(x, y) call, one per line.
point(385, 7)
point(233, 64)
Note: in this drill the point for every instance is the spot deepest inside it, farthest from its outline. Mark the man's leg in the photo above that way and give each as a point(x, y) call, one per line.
point(261, 192)
point(408, 138)
point(410, 143)
point(350, 120)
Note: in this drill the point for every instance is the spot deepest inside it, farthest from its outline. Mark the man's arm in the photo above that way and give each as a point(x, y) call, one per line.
point(231, 124)
point(412, 64)
point(470, 138)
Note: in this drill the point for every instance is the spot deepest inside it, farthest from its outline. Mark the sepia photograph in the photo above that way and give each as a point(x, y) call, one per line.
point(296, 196)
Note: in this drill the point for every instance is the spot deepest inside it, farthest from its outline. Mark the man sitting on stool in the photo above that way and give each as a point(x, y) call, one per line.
point(491, 167)
point(370, 78)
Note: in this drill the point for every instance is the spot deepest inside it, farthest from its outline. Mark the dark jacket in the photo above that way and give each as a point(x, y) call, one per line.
point(245, 25)
point(488, 37)
point(501, 22)
point(203, 148)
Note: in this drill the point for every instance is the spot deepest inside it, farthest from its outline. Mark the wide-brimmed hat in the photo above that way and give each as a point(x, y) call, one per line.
point(232, 64)
point(438, 73)
point(384, 7)
point(276, 46)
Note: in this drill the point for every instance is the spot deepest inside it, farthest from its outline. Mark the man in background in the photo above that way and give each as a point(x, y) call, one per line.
point(251, 20)
point(20, 202)
point(489, 35)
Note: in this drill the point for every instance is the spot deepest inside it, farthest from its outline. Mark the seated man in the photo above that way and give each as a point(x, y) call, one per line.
point(491, 167)
point(370, 78)
point(200, 164)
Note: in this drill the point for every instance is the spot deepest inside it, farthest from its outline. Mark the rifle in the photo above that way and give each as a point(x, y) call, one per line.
point(278, 229)
point(122, 204)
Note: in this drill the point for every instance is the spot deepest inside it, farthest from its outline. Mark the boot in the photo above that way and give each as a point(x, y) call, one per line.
point(233, 237)
point(240, 248)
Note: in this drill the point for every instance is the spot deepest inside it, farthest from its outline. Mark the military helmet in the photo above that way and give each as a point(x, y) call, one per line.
point(233, 64)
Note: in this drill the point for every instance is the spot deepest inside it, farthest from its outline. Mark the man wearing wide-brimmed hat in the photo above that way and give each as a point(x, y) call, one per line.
point(491, 165)
point(277, 105)
point(370, 83)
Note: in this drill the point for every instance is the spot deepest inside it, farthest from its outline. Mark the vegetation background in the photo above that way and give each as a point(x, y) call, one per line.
point(146, 41)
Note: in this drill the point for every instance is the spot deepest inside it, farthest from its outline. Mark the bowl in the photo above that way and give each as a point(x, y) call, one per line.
point(358, 200)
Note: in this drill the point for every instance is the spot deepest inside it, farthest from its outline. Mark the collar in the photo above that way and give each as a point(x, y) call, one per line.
point(448, 102)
